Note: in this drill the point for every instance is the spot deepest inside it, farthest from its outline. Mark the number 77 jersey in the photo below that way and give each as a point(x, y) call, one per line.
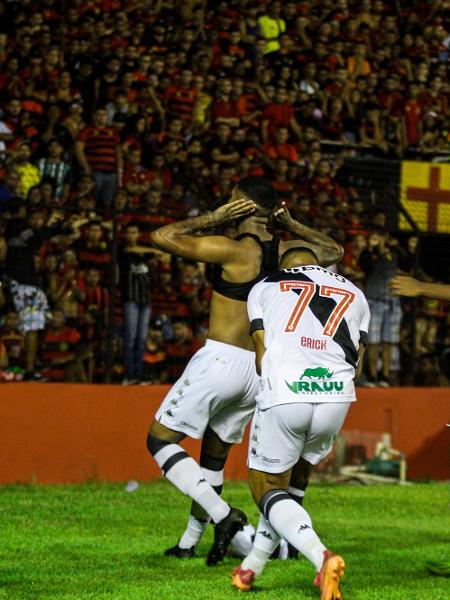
point(313, 322)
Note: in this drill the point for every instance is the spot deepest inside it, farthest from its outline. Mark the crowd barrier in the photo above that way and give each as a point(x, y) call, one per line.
point(59, 433)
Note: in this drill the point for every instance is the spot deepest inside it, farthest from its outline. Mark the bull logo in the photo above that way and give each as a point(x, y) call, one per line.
point(318, 373)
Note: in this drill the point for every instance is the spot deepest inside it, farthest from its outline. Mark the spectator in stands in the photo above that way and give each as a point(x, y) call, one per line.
point(24, 240)
point(94, 249)
point(52, 167)
point(197, 96)
point(271, 26)
point(135, 287)
point(13, 340)
point(379, 263)
point(278, 114)
point(62, 356)
point(99, 154)
point(28, 173)
point(180, 348)
point(8, 188)
point(155, 354)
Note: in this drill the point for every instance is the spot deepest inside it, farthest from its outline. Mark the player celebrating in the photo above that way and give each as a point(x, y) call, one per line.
point(309, 326)
point(214, 397)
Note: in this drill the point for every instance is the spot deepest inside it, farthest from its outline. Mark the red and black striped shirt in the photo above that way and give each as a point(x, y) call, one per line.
point(100, 145)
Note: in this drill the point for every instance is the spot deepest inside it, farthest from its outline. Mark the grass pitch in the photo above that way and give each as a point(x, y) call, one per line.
point(99, 542)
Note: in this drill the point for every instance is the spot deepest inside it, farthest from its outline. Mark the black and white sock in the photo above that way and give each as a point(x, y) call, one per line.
point(265, 543)
point(198, 519)
point(186, 475)
point(293, 523)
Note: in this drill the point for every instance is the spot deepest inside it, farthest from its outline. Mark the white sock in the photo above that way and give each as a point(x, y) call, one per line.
point(185, 474)
point(265, 543)
point(193, 532)
point(293, 523)
point(196, 526)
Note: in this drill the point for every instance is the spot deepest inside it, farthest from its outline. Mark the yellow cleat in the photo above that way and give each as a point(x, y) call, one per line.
point(242, 580)
point(329, 577)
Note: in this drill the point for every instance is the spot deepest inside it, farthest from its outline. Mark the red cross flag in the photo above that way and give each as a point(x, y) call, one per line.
point(425, 193)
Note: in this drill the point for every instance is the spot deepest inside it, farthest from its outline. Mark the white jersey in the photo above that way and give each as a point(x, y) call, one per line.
point(313, 321)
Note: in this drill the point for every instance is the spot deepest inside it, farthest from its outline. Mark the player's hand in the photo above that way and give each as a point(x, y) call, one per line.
point(281, 217)
point(405, 286)
point(234, 210)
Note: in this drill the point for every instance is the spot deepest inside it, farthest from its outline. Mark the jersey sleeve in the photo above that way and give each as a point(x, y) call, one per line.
point(365, 322)
point(254, 309)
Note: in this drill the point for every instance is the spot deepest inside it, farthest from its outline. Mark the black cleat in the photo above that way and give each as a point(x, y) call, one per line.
point(180, 552)
point(224, 532)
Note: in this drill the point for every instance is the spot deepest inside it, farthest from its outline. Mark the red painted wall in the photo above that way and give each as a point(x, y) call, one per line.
point(56, 433)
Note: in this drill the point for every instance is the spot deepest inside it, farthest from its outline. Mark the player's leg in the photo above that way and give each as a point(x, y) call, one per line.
point(300, 479)
point(230, 410)
point(183, 471)
point(227, 426)
point(213, 455)
point(187, 409)
point(262, 455)
point(283, 430)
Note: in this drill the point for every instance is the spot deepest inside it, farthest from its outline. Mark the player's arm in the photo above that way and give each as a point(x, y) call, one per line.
point(258, 342)
point(327, 251)
point(182, 240)
point(363, 338)
point(408, 286)
point(255, 315)
point(360, 363)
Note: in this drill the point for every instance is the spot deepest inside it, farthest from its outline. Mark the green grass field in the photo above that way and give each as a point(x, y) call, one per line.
point(99, 542)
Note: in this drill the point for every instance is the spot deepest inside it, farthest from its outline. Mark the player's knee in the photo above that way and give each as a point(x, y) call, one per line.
point(214, 452)
point(210, 462)
point(154, 445)
point(268, 500)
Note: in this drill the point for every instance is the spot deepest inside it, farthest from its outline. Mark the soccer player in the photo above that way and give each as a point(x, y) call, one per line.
point(215, 396)
point(408, 286)
point(309, 326)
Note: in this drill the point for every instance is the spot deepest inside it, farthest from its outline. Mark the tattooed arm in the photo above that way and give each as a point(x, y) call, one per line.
point(180, 239)
point(327, 251)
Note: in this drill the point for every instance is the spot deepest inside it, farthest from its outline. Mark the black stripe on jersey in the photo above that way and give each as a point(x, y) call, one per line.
point(322, 308)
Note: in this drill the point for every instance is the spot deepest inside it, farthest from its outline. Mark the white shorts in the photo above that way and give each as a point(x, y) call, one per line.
point(217, 389)
point(283, 434)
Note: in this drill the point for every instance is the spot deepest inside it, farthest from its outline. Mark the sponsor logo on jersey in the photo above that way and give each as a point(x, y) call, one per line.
point(317, 382)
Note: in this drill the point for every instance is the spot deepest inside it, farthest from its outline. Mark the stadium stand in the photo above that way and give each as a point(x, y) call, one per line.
point(120, 116)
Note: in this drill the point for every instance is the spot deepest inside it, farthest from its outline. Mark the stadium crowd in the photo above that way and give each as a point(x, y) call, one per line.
point(120, 116)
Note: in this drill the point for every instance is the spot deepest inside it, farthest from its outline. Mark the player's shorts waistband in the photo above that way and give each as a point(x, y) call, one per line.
point(221, 346)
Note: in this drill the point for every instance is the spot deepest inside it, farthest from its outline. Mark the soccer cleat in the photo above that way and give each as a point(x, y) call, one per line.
point(329, 576)
point(242, 579)
point(224, 532)
point(180, 552)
